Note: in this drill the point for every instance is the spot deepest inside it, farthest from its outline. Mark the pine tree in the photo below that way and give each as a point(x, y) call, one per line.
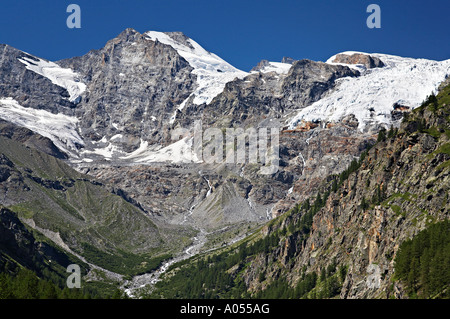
point(391, 132)
point(433, 102)
point(342, 272)
point(323, 275)
point(47, 290)
point(364, 204)
point(5, 286)
point(26, 285)
point(381, 135)
point(334, 186)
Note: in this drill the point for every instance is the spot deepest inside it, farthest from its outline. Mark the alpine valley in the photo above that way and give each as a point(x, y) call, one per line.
point(98, 168)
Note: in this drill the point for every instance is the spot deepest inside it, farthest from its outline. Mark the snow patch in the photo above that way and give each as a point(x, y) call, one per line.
point(290, 190)
point(277, 67)
point(59, 128)
point(62, 77)
point(178, 152)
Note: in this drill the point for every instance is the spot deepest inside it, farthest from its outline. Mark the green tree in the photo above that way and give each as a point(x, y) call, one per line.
point(5, 286)
point(47, 290)
point(26, 285)
point(364, 204)
point(381, 135)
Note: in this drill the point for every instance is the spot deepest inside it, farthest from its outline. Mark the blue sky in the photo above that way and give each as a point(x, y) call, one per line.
point(242, 32)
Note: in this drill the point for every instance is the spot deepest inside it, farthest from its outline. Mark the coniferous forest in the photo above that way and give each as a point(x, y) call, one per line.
point(423, 262)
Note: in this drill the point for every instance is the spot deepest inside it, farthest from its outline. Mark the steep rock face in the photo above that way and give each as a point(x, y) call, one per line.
point(26, 86)
point(288, 60)
point(271, 95)
point(261, 64)
point(315, 153)
point(309, 80)
point(133, 86)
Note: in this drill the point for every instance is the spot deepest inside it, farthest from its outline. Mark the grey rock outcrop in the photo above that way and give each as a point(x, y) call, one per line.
point(288, 60)
point(133, 87)
point(368, 61)
point(27, 87)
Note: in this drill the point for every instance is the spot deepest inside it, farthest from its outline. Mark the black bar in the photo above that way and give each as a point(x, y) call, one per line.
point(224, 308)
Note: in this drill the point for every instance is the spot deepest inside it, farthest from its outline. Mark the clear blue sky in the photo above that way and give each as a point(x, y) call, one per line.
point(240, 31)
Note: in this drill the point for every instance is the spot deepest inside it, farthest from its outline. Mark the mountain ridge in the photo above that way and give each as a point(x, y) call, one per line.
point(111, 114)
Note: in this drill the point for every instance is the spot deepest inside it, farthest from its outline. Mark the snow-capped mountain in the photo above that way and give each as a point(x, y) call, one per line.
point(113, 113)
point(212, 72)
point(371, 96)
point(130, 92)
point(116, 108)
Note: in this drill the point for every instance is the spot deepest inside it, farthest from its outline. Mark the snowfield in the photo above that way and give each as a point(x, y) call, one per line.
point(277, 67)
point(178, 152)
point(371, 96)
point(65, 78)
point(59, 128)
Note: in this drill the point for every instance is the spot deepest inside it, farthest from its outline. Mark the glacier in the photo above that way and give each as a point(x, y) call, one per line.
point(59, 128)
point(371, 96)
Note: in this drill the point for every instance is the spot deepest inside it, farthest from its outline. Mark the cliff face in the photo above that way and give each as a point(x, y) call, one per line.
point(272, 95)
point(26, 87)
point(133, 87)
point(358, 58)
point(401, 187)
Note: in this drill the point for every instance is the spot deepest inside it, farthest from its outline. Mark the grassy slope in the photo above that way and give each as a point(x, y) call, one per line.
point(87, 216)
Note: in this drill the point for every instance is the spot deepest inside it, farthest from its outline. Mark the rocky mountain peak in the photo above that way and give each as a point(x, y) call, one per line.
point(261, 65)
point(367, 60)
point(128, 35)
point(287, 60)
